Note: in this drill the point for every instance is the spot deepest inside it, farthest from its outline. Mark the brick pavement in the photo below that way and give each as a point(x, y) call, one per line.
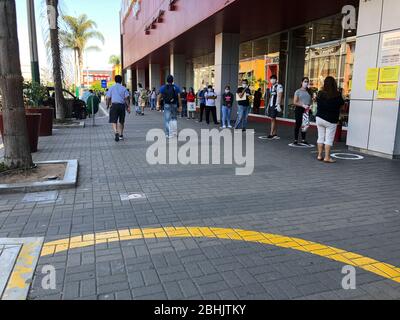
point(353, 205)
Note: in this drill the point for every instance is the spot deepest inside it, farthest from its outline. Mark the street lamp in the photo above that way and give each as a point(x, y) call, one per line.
point(33, 41)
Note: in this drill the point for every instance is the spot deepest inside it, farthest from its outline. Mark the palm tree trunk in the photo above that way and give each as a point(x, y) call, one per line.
point(16, 144)
point(76, 67)
point(52, 6)
point(80, 59)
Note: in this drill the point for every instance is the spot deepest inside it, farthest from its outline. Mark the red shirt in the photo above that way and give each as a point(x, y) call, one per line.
point(191, 97)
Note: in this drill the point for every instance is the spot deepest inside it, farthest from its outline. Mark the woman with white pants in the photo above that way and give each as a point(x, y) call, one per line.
point(330, 101)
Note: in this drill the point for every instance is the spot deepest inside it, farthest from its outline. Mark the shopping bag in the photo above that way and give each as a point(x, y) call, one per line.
point(306, 122)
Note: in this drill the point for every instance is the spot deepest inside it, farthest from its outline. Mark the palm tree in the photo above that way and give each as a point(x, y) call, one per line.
point(52, 14)
point(16, 145)
point(80, 30)
point(115, 60)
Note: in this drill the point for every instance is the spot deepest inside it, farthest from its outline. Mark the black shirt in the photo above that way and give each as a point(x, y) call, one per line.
point(245, 103)
point(329, 108)
point(227, 99)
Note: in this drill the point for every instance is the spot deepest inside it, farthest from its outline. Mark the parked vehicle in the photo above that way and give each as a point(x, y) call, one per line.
point(75, 107)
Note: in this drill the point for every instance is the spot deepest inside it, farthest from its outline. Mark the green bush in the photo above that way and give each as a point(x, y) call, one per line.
point(34, 94)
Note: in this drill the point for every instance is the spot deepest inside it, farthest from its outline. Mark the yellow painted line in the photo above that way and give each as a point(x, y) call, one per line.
point(21, 276)
point(349, 258)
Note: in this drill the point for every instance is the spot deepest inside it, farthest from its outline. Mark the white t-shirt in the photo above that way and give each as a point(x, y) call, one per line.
point(210, 102)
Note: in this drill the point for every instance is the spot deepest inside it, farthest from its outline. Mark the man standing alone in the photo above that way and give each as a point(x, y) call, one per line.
point(118, 98)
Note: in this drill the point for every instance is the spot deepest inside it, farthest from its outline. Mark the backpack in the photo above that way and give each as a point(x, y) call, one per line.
point(170, 96)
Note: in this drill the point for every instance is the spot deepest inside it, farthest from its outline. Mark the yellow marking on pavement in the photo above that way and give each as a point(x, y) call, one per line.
point(349, 258)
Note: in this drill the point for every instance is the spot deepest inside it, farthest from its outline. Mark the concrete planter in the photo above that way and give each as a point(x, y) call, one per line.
point(33, 125)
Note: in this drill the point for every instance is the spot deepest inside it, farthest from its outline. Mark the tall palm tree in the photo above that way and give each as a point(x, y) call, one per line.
point(52, 14)
point(115, 60)
point(16, 145)
point(80, 30)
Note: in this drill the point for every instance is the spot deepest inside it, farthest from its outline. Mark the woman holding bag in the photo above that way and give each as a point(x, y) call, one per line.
point(303, 102)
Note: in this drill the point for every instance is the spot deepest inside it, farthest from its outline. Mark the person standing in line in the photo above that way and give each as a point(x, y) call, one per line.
point(330, 102)
point(202, 101)
point(211, 98)
point(118, 100)
point(171, 96)
point(257, 101)
point(227, 104)
point(142, 98)
point(153, 99)
point(274, 96)
point(191, 101)
point(243, 99)
point(303, 102)
point(184, 94)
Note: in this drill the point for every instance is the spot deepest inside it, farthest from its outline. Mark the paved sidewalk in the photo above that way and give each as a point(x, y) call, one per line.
point(352, 205)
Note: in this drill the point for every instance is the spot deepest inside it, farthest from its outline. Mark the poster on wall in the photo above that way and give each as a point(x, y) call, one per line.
point(389, 74)
point(390, 51)
point(387, 91)
point(372, 78)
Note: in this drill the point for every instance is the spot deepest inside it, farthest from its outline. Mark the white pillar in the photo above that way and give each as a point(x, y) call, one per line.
point(226, 65)
point(178, 69)
point(155, 76)
point(141, 76)
point(374, 124)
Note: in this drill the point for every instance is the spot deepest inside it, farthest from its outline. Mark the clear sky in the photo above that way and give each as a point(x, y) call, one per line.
point(104, 12)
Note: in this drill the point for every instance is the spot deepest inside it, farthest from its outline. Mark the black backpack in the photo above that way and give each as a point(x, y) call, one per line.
point(170, 96)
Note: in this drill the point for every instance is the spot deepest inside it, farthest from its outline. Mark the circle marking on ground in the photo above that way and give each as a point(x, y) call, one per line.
point(301, 146)
point(339, 255)
point(347, 156)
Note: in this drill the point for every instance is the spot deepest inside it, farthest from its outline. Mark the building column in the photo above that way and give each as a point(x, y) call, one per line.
point(374, 124)
point(178, 69)
point(141, 77)
point(226, 65)
point(189, 75)
point(155, 76)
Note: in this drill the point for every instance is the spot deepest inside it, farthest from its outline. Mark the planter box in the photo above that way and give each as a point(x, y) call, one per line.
point(46, 121)
point(33, 125)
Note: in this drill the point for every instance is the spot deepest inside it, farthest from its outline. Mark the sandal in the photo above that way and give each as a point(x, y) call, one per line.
point(320, 159)
point(330, 161)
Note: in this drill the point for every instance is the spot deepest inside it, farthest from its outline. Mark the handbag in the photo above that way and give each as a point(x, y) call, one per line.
point(306, 122)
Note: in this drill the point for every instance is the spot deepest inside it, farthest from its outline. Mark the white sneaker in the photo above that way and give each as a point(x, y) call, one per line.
point(276, 138)
point(224, 127)
point(230, 127)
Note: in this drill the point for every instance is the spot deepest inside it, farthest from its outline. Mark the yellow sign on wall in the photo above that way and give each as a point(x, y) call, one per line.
point(387, 91)
point(389, 74)
point(371, 82)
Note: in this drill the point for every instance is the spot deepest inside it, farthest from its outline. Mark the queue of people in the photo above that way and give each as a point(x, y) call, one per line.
point(176, 102)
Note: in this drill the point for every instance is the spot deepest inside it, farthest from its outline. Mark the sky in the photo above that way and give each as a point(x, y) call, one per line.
point(104, 12)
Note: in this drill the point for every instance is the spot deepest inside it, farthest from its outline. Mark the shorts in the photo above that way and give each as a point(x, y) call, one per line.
point(117, 112)
point(272, 112)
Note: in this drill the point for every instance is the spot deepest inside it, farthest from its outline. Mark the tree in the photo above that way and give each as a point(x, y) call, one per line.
point(52, 14)
point(114, 60)
point(16, 144)
point(80, 30)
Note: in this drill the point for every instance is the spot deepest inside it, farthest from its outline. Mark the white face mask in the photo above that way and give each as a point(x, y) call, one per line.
point(227, 90)
point(273, 81)
point(209, 90)
point(244, 85)
point(305, 85)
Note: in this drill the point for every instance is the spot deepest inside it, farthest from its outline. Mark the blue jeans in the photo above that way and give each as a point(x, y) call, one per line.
point(226, 116)
point(243, 113)
point(184, 112)
point(153, 103)
point(170, 113)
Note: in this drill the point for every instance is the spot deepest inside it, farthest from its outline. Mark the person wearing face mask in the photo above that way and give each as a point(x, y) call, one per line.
point(211, 98)
point(184, 113)
point(202, 102)
point(302, 101)
point(242, 97)
point(274, 96)
point(191, 101)
point(227, 103)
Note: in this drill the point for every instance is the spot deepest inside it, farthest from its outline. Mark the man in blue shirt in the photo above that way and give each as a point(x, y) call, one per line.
point(202, 100)
point(171, 96)
point(118, 98)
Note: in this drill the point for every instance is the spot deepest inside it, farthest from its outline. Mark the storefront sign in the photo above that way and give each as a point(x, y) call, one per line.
point(388, 91)
point(372, 79)
point(389, 74)
point(390, 51)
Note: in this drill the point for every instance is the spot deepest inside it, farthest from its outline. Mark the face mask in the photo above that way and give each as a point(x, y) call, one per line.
point(209, 90)
point(305, 85)
point(227, 90)
point(273, 81)
point(244, 85)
